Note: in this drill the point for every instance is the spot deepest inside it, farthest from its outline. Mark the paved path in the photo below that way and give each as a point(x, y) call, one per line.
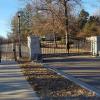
point(13, 85)
point(85, 69)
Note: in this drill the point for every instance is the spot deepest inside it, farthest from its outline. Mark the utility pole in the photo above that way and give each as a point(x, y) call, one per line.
point(66, 25)
point(19, 34)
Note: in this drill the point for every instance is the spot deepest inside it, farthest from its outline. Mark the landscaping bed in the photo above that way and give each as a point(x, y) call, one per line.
point(49, 84)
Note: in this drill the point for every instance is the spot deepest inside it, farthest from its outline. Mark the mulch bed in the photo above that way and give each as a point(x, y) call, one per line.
point(50, 85)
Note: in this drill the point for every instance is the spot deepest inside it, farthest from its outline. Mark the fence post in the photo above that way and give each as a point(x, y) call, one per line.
point(14, 51)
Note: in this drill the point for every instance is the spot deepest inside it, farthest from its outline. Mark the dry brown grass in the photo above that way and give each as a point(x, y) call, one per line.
point(58, 50)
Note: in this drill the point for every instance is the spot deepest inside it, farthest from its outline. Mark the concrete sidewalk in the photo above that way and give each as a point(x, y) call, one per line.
point(13, 85)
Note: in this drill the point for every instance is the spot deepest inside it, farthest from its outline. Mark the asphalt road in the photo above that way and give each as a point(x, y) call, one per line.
point(85, 69)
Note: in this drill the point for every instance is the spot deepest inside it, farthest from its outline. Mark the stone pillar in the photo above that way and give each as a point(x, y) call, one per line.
point(95, 45)
point(34, 48)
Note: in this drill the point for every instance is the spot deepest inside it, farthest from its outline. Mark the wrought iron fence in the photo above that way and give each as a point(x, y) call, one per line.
point(10, 50)
point(58, 48)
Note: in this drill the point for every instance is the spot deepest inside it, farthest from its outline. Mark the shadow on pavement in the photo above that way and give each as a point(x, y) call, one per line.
point(67, 59)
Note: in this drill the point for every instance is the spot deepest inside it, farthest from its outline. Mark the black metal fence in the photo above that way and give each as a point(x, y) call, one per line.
point(10, 50)
point(49, 48)
point(58, 48)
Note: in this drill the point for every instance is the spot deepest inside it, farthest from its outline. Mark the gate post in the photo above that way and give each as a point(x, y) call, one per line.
point(34, 48)
point(0, 51)
point(95, 45)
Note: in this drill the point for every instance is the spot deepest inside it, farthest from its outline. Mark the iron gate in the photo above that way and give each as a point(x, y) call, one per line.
point(77, 46)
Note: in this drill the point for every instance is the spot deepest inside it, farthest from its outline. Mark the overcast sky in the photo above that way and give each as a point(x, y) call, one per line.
point(9, 7)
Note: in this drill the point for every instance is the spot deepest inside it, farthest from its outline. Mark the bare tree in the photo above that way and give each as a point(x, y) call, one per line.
point(48, 16)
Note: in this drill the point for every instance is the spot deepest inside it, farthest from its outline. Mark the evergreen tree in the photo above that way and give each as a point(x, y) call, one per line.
point(92, 26)
point(82, 20)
